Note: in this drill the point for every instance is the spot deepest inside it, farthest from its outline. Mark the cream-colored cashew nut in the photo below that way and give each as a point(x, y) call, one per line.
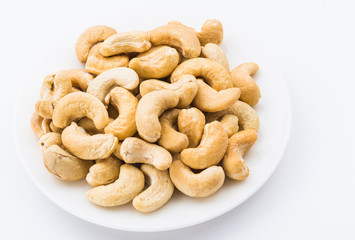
point(44, 108)
point(241, 77)
point(128, 185)
point(213, 72)
point(87, 147)
point(209, 100)
point(202, 184)
point(89, 38)
point(191, 122)
point(215, 53)
point(49, 139)
point(104, 171)
point(211, 32)
point(103, 83)
point(39, 125)
point(77, 105)
point(125, 42)
point(97, 64)
point(179, 37)
point(233, 163)
point(150, 107)
point(186, 87)
point(230, 124)
point(125, 124)
point(247, 117)
point(64, 165)
point(158, 62)
point(158, 193)
point(211, 149)
point(171, 139)
point(135, 150)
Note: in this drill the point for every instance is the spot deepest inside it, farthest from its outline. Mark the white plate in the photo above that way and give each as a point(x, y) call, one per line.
point(181, 211)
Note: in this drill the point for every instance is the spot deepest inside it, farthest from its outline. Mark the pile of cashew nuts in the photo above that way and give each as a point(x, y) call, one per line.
point(150, 111)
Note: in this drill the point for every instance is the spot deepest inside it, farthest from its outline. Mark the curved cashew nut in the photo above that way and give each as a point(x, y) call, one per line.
point(214, 73)
point(49, 139)
point(171, 139)
point(128, 185)
point(89, 38)
point(209, 100)
point(191, 122)
point(78, 77)
point(77, 105)
point(157, 194)
point(39, 125)
point(215, 53)
point(125, 125)
point(135, 150)
point(230, 124)
point(178, 37)
point(150, 107)
point(158, 62)
point(44, 108)
point(233, 162)
point(97, 64)
point(125, 42)
point(104, 172)
point(121, 76)
point(202, 184)
point(87, 147)
point(64, 165)
point(241, 77)
point(247, 117)
point(211, 32)
point(186, 87)
point(211, 149)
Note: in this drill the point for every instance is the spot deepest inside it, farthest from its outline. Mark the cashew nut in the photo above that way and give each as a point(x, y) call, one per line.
point(158, 193)
point(125, 42)
point(214, 73)
point(89, 38)
point(230, 124)
point(191, 122)
point(211, 149)
point(171, 139)
point(211, 32)
point(215, 53)
point(89, 126)
point(78, 77)
point(209, 100)
point(128, 185)
point(233, 163)
point(247, 117)
point(158, 62)
point(87, 147)
point(44, 108)
point(39, 125)
point(49, 139)
point(202, 184)
point(241, 77)
point(64, 165)
point(126, 103)
point(97, 64)
point(103, 83)
point(186, 87)
point(150, 107)
point(135, 150)
point(104, 171)
point(179, 37)
point(77, 105)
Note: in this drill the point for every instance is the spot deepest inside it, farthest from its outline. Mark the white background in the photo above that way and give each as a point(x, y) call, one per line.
point(311, 195)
